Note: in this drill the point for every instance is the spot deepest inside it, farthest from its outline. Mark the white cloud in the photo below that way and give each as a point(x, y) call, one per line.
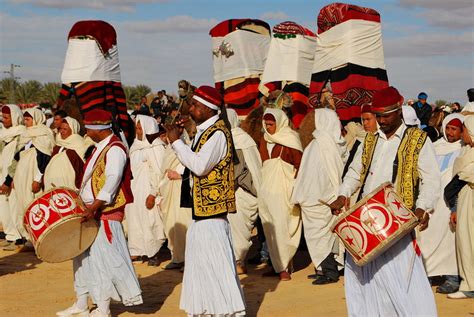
point(429, 44)
point(117, 5)
point(181, 23)
point(458, 14)
point(276, 15)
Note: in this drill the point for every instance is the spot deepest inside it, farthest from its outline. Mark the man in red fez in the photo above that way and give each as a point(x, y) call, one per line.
point(395, 282)
point(437, 243)
point(210, 282)
point(105, 271)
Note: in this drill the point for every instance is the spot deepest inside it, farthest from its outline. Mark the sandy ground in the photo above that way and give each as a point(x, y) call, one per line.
point(30, 287)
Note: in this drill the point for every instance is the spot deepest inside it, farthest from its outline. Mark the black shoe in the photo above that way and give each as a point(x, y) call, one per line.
point(447, 288)
point(322, 279)
point(153, 261)
point(313, 276)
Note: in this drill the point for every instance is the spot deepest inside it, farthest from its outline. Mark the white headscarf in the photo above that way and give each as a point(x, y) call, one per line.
point(464, 163)
point(74, 141)
point(284, 135)
point(41, 136)
point(17, 128)
point(327, 124)
point(442, 146)
point(149, 126)
point(409, 116)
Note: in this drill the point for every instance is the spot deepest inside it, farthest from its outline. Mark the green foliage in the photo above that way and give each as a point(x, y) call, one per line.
point(32, 91)
point(440, 102)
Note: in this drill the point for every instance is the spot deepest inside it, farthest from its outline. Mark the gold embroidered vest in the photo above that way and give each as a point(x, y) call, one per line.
point(213, 194)
point(98, 181)
point(405, 167)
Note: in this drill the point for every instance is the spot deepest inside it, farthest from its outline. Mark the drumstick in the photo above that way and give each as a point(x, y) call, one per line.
point(80, 236)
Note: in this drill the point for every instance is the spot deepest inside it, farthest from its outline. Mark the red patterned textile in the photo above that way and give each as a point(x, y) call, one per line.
point(102, 32)
point(242, 93)
point(353, 86)
point(289, 27)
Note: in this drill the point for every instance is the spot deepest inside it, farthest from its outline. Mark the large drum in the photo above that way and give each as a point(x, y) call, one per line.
point(54, 224)
point(374, 224)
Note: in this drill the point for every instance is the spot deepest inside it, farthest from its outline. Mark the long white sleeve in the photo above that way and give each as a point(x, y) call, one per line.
point(202, 162)
point(351, 181)
point(155, 157)
point(430, 177)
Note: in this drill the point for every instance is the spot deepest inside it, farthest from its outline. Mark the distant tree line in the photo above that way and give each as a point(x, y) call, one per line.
point(46, 95)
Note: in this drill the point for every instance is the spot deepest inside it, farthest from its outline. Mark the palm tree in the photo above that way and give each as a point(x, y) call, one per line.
point(29, 92)
point(50, 93)
point(7, 85)
point(134, 93)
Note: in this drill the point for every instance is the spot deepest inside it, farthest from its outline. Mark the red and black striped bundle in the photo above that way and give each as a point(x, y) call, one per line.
point(355, 69)
point(107, 95)
point(238, 85)
point(91, 74)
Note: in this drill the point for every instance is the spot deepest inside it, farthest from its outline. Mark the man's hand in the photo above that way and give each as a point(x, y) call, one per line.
point(150, 202)
point(423, 218)
point(5, 190)
point(172, 132)
point(336, 206)
point(91, 210)
point(35, 187)
point(453, 220)
point(173, 175)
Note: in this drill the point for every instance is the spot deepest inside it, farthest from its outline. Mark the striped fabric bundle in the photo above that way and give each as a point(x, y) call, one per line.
point(288, 66)
point(239, 51)
point(91, 73)
point(349, 55)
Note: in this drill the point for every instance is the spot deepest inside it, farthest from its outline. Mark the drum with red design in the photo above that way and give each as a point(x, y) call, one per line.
point(374, 224)
point(54, 224)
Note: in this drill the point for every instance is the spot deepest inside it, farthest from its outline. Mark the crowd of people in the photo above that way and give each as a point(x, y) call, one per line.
point(204, 193)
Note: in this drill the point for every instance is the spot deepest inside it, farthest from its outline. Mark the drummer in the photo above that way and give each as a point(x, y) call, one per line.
point(394, 283)
point(67, 161)
point(105, 271)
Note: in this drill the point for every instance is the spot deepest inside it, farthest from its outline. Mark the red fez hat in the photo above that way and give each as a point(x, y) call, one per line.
point(365, 108)
point(6, 110)
point(208, 96)
point(98, 119)
point(386, 100)
point(455, 122)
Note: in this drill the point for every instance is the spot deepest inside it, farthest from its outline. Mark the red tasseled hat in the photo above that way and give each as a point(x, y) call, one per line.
point(386, 100)
point(98, 117)
point(208, 96)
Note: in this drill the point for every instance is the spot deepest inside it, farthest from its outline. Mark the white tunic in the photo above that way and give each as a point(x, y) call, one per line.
point(383, 287)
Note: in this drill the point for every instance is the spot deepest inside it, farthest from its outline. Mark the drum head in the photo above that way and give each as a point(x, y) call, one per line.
point(66, 240)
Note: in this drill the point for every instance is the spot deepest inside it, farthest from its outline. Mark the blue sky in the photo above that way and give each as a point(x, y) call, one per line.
point(428, 44)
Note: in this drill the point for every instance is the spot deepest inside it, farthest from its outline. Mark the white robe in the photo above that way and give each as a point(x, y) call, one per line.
point(465, 218)
point(145, 226)
point(242, 222)
point(176, 219)
point(59, 172)
point(437, 242)
point(319, 178)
